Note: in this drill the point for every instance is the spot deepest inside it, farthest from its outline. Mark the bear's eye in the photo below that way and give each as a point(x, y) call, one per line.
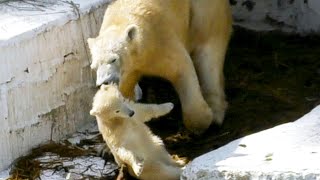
point(117, 111)
point(113, 60)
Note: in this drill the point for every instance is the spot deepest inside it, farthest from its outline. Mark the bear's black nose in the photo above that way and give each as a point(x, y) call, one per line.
point(131, 113)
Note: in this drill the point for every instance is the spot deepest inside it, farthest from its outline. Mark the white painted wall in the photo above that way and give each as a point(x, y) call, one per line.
point(46, 85)
point(296, 16)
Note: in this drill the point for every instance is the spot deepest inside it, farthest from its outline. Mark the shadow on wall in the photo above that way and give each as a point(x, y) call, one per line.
point(294, 16)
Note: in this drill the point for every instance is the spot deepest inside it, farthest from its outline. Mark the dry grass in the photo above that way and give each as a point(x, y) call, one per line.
point(27, 167)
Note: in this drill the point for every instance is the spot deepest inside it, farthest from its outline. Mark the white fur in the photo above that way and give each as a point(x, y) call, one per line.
point(129, 139)
point(182, 41)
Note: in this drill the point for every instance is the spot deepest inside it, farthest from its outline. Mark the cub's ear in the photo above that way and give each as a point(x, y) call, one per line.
point(131, 32)
point(93, 112)
point(90, 41)
point(105, 86)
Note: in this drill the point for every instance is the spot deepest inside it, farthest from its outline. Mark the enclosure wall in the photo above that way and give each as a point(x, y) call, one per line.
point(46, 84)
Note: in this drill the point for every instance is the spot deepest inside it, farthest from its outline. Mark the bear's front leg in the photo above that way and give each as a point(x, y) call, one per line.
point(209, 60)
point(197, 115)
point(127, 84)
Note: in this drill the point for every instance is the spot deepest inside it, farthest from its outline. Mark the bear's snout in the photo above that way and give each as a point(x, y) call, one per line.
point(131, 113)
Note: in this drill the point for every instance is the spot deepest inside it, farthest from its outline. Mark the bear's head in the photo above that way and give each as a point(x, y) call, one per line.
point(110, 49)
point(108, 103)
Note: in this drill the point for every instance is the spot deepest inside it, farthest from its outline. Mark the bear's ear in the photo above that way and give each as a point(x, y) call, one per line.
point(131, 32)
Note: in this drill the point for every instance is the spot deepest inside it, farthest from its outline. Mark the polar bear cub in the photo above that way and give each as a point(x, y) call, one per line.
point(121, 124)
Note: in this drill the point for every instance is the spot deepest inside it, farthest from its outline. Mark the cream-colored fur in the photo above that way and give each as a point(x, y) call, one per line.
point(183, 41)
point(121, 124)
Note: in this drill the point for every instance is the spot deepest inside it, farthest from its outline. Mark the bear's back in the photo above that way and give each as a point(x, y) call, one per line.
point(161, 17)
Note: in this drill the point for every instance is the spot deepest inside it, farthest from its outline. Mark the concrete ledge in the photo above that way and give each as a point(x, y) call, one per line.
point(46, 85)
point(289, 151)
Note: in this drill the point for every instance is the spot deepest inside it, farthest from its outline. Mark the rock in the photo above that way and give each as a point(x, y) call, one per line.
point(288, 151)
point(4, 174)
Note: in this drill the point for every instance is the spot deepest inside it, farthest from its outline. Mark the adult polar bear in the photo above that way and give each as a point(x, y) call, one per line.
point(183, 41)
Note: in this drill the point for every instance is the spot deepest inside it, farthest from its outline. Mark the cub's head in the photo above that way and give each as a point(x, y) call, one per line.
point(108, 103)
point(109, 51)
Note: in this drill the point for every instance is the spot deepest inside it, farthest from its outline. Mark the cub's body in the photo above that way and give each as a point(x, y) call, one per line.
point(121, 124)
